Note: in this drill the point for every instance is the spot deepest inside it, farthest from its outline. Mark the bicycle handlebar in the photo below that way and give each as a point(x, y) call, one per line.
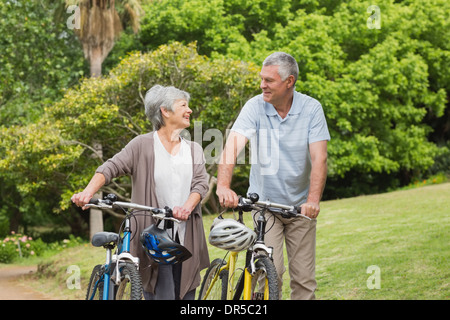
point(110, 203)
point(252, 202)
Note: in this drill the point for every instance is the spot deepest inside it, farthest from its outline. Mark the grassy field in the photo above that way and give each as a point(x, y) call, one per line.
point(402, 235)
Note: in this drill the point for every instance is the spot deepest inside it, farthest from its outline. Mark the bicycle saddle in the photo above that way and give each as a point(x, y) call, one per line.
point(102, 239)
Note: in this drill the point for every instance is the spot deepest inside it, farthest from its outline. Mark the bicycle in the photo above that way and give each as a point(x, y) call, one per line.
point(118, 278)
point(259, 278)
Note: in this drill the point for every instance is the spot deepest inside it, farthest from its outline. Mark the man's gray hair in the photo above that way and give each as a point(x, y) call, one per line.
point(287, 64)
point(165, 97)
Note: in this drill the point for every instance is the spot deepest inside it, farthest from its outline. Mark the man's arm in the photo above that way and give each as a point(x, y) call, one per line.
point(318, 177)
point(234, 145)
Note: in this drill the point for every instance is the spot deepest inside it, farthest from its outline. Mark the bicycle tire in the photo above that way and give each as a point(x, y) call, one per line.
point(130, 286)
point(95, 288)
point(265, 274)
point(219, 290)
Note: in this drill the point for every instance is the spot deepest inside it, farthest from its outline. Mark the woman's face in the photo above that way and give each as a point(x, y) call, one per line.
point(180, 118)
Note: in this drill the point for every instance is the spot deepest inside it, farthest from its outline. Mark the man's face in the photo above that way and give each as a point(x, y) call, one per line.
point(273, 88)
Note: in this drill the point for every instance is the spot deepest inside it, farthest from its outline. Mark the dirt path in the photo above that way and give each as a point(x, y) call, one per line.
point(12, 289)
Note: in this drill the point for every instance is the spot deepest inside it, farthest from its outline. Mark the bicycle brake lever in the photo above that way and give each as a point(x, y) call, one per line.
point(244, 206)
point(162, 216)
point(296, 214)
point(173, 219)
point(303, 216)
point(98, 205)
point(299, 210)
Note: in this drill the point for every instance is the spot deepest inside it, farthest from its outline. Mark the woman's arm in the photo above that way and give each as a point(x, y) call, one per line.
point(82, 198)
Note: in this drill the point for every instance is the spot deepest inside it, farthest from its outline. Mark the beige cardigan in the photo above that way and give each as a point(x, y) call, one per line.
point(137, 160)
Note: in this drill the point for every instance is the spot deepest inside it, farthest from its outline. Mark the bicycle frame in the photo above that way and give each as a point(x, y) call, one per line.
point(122, 253)
point(248, 286)
point(231, 265)
point(107, 275)
point(248, 276)
point(256, 253)
point(249, 264)
point(258, 246)
point(105, 278)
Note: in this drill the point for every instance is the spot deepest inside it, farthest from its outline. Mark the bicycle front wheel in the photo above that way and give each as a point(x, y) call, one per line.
point(130, 286)
point(264, 284)
point(214, 285)
point(95, 286)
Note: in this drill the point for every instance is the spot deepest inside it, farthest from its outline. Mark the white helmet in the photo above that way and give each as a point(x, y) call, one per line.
point(228, 234)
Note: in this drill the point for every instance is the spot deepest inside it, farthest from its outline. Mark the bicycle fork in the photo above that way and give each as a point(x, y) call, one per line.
point(252, 255)
point(250, 272)
point(231, 266)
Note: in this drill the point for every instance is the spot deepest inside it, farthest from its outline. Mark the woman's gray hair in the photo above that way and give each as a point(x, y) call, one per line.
point(287, 64)
point(165, 97)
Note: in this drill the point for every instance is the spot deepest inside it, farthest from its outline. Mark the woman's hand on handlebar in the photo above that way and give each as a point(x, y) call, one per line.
point(181, 213)
point(81, 199)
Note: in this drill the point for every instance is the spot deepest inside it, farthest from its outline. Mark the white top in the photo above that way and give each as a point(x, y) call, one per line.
point(173, 175)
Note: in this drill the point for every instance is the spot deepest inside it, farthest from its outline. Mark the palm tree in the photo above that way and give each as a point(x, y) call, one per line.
point(100, 26)
point(101, 22)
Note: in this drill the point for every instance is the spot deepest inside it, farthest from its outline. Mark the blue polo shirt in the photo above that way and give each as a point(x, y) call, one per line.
point(279, 152)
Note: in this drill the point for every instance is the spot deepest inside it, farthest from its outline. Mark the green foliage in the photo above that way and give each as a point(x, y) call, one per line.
point(38, 59)
point(381, 89)
point(384, 91)
point(18, 245)
point(58, 152)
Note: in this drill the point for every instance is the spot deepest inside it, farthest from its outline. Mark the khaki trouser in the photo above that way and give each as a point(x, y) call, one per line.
point(300, 237)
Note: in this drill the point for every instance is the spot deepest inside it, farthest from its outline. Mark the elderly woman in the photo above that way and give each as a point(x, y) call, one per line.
point(166, 170)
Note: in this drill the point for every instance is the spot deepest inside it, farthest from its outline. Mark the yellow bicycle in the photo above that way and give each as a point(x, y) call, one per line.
point(258, 281)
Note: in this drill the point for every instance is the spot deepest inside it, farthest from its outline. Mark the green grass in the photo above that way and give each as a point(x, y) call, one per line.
point(52, 273)
point(404, 233)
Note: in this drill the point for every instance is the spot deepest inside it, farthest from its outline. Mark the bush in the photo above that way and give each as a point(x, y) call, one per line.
point(18, 246)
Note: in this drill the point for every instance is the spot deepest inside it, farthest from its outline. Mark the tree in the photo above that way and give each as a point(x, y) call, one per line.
point(381, 89)
point(101, 25)
point(384, 91)
point(58, 152)
point(32, 77)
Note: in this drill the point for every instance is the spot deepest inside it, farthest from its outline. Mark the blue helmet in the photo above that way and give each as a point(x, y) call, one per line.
point(161, 248)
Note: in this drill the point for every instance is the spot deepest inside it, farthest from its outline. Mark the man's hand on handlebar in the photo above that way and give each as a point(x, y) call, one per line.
point(227, 197)
point(310, 209)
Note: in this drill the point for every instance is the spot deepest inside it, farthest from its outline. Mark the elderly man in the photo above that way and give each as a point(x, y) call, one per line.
point(290, 134)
